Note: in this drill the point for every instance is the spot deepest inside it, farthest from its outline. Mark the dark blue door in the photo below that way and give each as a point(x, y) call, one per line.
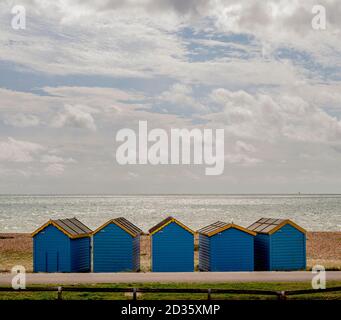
point(52, 261)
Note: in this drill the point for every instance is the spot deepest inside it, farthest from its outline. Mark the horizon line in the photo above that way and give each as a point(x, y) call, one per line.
point(167, 194)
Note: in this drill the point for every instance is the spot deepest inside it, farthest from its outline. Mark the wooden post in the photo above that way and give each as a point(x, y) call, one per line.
point(59, 293)
point(208, 294)
point(134, 294)
point(281, 295)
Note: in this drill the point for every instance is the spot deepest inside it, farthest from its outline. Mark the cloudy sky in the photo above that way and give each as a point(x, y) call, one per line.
point(83, 69)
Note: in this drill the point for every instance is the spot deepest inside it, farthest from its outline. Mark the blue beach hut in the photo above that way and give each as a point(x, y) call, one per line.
point(62, 246)
point(226, 247)
point(280, 245)
point(172, 247)
point(116, 246)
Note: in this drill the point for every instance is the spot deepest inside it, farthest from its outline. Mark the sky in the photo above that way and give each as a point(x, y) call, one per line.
point(81, 70)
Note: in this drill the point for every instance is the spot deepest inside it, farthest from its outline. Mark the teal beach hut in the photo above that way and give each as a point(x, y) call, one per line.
point(172, 247)
point(226, 247)
point(116, 246)
point(62, 246)
point(280, 245)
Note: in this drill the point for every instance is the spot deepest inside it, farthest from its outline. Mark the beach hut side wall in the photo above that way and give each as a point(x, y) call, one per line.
point(288, 249)
point(81, 255)
point(262, 252)
point(51, 251)
point(113, 250)
point(136, 253)
point(204, 253)
point(232, 250)
point(172, 249)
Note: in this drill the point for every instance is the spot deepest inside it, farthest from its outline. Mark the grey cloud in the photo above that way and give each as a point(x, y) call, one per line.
point(192, 7)
point(22, 120)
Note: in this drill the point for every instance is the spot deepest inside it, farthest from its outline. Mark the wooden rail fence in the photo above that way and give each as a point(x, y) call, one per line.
point(281, 295)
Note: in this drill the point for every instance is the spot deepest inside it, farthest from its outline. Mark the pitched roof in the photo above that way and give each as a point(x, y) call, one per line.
point(166, 222)
point(124, 224)
point(220, 226)
point(270, 225)
point(72, 227)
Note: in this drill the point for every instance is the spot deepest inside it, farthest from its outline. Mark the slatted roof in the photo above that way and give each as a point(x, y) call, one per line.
point(124, 224)
point(271, 225)
point(220, 226)
point(160, 224)
point(72, 227)
point(128, 225)
point(165, 222)
point(212, 227)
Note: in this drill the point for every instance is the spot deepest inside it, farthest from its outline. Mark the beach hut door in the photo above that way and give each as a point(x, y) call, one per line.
point(52, 261)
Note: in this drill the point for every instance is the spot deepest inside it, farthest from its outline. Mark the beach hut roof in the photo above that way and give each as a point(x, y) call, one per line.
point(220, 226)
point(124, 224)
point(270, 225)
point(166, 222)
point(72, 227)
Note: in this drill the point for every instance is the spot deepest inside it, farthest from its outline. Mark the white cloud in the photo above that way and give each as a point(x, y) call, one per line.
point(241, 159)
point(268, 118)
point(84, 39)
point(14, 150)
point(76, 116)
point(56, 159)
point(180, 97)
point(288, 23)
point(133, 175)
point(55, 169)
point(108, 95)
point(90, 41)
point(242, 146)
point(280, 101)
point(22, 159)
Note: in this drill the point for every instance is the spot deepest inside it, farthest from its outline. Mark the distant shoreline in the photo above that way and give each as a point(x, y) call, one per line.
point(162, 194)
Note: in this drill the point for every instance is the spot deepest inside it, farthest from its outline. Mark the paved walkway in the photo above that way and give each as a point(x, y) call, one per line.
point(208, 277)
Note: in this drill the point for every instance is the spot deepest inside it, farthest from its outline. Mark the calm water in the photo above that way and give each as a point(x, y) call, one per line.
point(313, 212)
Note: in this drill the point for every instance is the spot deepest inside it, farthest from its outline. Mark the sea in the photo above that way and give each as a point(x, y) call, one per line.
point(25, 213)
